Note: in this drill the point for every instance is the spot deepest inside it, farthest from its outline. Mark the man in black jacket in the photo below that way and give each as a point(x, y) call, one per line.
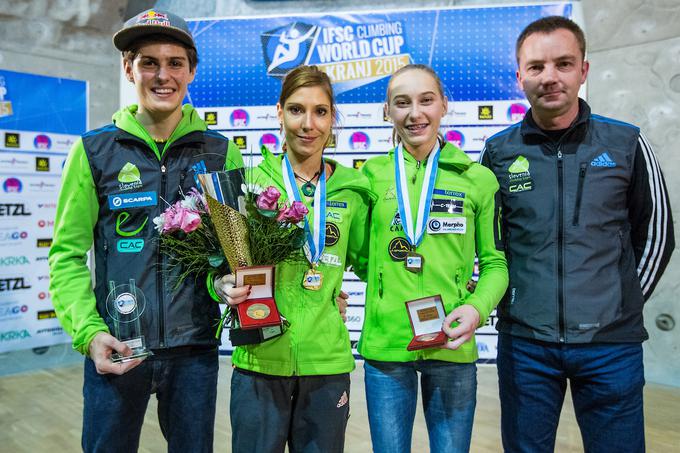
point(588, 233)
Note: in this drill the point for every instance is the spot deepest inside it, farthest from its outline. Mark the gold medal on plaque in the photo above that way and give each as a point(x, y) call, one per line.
point(258, 311)
point(312, 280)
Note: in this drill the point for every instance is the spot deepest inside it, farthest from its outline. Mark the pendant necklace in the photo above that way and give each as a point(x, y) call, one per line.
point(308, 188)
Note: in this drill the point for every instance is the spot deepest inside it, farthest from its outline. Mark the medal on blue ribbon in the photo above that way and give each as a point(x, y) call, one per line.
point(315, 237)
point(414, 234)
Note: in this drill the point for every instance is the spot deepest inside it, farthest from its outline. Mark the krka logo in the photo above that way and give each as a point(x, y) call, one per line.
point(287, 47)
point(520, 178)
point(129, 177)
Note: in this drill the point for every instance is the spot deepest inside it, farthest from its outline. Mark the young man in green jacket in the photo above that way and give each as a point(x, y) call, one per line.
point(115, 181)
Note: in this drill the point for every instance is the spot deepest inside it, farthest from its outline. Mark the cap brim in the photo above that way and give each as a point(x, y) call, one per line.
point(125, 37)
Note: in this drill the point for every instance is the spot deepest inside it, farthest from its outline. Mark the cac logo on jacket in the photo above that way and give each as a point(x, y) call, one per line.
point(519, 176)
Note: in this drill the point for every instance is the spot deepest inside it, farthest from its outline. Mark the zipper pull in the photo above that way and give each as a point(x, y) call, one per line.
point(559, 153)
point(162, 168)
point(413, 180)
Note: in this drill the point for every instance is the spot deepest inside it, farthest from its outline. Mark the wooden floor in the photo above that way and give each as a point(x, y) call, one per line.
point(41, 412)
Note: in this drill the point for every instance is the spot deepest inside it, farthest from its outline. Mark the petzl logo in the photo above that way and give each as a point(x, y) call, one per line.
point(516, 112)
point(42, 141)
point(12, 210)
point(287, 47)
point(13, 284)
point(603, 160)
point(359, 141)
point(130, 245)
point(129, 177)
point(239, 118)
point(271, 141)
point(12, 185)
point(132, 200)
point(456, 138)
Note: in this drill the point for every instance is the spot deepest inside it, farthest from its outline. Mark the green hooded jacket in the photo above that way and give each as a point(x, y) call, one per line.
point(317, 341)
point(463, 220)
point(77, 216)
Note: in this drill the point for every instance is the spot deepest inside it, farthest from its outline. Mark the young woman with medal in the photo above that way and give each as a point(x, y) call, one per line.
point(294, 389)
point(435, 210)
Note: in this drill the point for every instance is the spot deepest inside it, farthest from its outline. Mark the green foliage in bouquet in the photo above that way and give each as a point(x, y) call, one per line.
point(275, 230)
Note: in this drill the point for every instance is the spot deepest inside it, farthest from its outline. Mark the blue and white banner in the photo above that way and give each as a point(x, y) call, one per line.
point(40, 119)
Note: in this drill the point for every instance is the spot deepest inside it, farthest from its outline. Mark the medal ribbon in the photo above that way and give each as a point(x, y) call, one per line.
point(315, 238)
point(415, 235)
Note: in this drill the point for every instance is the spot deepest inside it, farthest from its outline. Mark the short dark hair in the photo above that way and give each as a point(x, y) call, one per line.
point(132, 51)
point(548, 25)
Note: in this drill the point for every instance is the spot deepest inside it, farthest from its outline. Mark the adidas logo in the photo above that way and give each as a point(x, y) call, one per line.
point(343, 400)
point(603, 160)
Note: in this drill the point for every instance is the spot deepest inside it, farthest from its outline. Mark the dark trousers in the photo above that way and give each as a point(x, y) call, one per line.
point(308, 412)
point(606, 386)
point(186, 389)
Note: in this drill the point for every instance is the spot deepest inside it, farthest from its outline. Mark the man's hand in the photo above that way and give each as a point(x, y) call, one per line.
point(341, 300)
point(231, 295)
point(467, 318)
point(101, 348)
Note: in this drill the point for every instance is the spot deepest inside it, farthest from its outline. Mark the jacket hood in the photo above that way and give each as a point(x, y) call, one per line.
point(343, 178)
point(126, 119)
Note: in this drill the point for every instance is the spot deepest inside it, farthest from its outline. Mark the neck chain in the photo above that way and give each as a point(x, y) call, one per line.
point(308, 188)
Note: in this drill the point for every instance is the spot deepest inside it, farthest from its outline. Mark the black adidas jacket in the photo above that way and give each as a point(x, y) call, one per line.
point(588, 229)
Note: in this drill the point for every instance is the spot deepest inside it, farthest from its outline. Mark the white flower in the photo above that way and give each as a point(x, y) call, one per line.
point(252, 188)
point(190, 202)
point(159, 222)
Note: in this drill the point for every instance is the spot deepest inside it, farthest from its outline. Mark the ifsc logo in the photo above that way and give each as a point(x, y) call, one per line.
point(285, 48)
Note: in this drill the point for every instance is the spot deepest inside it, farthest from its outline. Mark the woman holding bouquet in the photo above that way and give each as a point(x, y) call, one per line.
point(295, 388)
point(434, 211)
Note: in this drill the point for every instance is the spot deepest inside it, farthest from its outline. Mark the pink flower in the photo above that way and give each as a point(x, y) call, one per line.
point(293, 214)
point(178, 217)
point(268, 200)
point(190, 220)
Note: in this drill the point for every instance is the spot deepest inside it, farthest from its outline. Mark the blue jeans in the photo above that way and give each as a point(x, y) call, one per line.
point(449, 398)
point(186, 389)
point(606, 386)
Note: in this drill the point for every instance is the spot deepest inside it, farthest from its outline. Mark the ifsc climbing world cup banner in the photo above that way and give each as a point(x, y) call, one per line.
point(244, 60)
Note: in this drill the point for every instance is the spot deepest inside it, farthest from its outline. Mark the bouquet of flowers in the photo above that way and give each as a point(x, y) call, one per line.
point(189, 237)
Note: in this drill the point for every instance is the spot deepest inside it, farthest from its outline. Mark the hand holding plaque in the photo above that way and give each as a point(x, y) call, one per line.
point(426, 316)
point(259, 310)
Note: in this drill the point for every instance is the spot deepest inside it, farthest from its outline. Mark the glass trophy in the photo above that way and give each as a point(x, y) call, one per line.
point(124, 306)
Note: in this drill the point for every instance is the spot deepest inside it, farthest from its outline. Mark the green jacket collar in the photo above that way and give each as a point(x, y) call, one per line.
point(343, 178)
point(450, 156)
point(126, 119)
